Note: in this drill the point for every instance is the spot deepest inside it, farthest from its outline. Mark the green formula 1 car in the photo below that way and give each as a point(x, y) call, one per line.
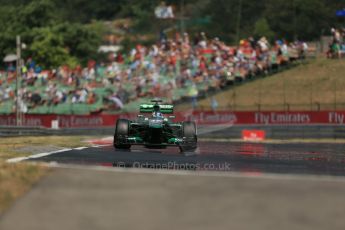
point(156, 130)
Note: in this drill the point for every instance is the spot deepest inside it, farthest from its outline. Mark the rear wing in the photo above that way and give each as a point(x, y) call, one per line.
point(165, 109)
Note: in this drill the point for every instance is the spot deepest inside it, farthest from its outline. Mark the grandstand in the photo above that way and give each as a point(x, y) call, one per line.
point(175, 70)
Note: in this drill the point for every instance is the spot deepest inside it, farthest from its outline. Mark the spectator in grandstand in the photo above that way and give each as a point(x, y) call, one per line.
point(11, 67)
point(8, 93)
point(116, 102)
point(80, 96)
point(337, 35)
point(35, 99)
point(336, 47)
point(60, 97)
point(214, 103)
point(193, 94)
point(23, 106)
point(91, 98)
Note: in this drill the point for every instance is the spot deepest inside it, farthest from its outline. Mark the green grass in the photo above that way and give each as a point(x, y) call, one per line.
point(17, 179)
point(305, 87)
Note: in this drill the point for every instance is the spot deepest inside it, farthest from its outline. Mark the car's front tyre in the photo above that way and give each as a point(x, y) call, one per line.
point(121, 133)
point(189, 134)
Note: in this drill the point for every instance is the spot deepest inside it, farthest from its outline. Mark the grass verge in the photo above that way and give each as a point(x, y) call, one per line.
point(17, 179)
point(319, 84)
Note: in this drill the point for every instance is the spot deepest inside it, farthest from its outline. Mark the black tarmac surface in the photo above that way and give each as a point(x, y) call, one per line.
point(256, 158)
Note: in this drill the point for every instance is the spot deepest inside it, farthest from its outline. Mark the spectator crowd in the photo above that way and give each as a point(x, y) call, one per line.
point(175, 68)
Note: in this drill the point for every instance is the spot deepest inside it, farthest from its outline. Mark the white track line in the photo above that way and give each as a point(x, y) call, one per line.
point(19, 159)
point(80, 148)
point(100, 146)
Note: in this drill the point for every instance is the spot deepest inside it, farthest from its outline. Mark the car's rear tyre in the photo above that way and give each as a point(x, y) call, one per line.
point(189, 134)
point(121, 132)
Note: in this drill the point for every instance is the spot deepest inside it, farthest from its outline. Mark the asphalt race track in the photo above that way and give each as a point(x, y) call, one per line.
point(261, 186)
point(255, 158)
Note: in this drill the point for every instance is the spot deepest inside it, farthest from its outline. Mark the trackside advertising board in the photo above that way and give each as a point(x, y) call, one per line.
point(201, 117)
point(253, 135)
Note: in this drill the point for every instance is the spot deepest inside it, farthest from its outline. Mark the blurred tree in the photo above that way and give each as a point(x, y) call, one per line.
point(303, 19)
point(47, 48)
point(300, 19)
point(50, 42)
point(262, 28)
point(228, 16)
point(7, 25)
point(81, 41)
point(84, 11)
point(223, 14)
point(38, 13)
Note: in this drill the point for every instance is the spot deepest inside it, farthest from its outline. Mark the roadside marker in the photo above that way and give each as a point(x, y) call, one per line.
point(253, 135)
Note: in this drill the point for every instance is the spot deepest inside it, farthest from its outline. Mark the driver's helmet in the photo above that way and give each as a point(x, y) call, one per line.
point(157, 114)
point(156, 111)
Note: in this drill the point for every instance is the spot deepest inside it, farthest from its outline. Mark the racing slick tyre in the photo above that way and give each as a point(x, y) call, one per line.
point(189, 134)
point(121, 132)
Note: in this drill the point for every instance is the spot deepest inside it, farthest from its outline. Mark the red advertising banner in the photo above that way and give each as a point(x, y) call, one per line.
point(200, 117)
point(267, 118)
